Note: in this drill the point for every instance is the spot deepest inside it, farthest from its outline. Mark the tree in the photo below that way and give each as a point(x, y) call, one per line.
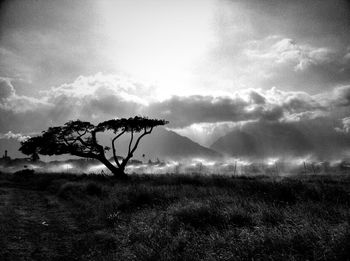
point(79, 138)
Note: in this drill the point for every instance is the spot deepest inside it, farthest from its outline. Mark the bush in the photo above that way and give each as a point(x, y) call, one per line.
point(341, 250)
point(94, 189)
point(43, 183)
point(200, 215)
point(23, 174)
point(279, 192)
point(240, 218)
point(140, 196)
point(70, 190)
point(272, 216)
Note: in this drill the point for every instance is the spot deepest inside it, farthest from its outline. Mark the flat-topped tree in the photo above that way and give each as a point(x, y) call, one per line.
point(79, 138)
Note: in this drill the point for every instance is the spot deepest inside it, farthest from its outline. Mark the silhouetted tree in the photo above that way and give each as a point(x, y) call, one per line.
point(79, 138)
point(29, 147)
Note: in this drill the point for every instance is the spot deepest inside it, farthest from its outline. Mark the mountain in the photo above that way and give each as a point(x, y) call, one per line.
point(164, 144)
point(275, 139)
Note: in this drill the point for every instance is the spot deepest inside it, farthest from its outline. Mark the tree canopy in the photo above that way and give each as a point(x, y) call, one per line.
point(79, 138)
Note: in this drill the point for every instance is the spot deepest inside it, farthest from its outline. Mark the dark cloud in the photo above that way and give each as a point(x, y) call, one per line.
point(24, 122)
point(183, 111)
point(272, 105)
point(257, 98)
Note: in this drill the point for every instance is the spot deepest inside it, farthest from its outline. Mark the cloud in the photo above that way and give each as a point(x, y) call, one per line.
point(183, 111)
point(92, 98)
point(99, 97)
point(10, 101)
point(347, 56)
point(293, 45)
point(280, 50)
point(6, 89)
point(271, 105)
point(346, 126)
point(15, 136)
point(341, 96)
point(291, 64)
point(96, 98)
point(100, 85)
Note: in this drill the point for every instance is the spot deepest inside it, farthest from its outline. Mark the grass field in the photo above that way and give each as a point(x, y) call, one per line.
point(174, 217)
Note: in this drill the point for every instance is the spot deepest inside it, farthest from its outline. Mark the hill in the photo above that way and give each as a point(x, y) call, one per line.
point(165, 144)
point(275, 139)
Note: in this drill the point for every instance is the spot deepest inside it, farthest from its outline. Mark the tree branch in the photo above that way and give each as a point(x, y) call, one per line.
point(114, 150)
point(83, 154)
point(78, 138)
point(139, 138)
point(131, 139)
point(66, 142)
point(130, 154)
point(94, 142)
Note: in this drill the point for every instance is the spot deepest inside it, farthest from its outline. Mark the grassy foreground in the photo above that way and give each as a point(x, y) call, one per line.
point(174, 217)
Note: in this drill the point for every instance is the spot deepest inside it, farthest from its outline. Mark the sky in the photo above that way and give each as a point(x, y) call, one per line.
point(207, 66)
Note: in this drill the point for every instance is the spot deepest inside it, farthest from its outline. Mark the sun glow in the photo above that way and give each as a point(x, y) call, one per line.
point(157, 41)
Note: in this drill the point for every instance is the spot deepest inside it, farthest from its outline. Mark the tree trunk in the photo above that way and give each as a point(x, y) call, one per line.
point(117, 172)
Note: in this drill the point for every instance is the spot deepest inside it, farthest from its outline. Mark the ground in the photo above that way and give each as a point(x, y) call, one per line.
point(174, 217)
point(34, 225)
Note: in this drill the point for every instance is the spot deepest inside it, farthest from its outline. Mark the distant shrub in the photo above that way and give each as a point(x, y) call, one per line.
point(23, 174)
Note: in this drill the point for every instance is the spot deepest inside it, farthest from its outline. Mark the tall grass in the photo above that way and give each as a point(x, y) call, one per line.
point(182, 217)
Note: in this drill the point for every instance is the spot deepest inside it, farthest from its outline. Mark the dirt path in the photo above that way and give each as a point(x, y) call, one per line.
point(35, 226)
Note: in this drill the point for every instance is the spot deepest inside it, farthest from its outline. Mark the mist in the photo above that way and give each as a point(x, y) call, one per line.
point(274, 167)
